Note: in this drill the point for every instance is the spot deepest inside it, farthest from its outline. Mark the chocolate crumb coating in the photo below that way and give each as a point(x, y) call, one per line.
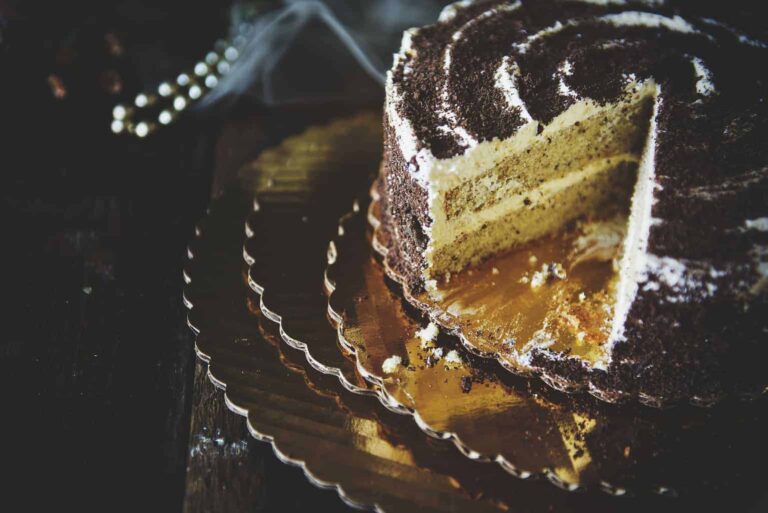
point(697, 328)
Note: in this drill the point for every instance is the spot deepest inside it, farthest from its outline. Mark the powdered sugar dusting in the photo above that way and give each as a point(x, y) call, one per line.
point(685, 280)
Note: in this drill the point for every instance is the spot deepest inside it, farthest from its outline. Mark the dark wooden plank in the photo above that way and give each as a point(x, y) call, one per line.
point(223, 472)
point(228, 471)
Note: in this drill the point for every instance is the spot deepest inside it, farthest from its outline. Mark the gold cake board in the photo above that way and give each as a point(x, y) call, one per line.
point(289, 391)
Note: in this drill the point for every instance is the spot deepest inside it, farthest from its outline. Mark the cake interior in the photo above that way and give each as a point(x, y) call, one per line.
point(571, 190)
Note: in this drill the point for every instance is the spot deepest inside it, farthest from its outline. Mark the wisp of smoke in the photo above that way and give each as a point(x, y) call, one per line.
point(311, 38)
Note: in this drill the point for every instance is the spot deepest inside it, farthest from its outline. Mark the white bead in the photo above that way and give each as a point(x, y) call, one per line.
point(119, 112)
point(142, 129)
point(222, 67)
point(211, 58)
point(201, 69)
point(165, 117)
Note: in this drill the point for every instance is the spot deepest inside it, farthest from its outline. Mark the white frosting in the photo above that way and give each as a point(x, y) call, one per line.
point(648, 19)
point(565, 70)
point(623, 19)
point(406, 138)
point(428, 333)
point(505, 80)
point(447, 113)
point(451, 10)
point(742, 38)
point(633, 262)
point(704, 85)
point(436, 354)
point(553, 29)
point(452, 359)
point(687, 280)
point(760, 224)
point(391, 364)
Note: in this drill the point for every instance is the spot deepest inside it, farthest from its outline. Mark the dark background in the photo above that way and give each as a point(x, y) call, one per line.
point(97, 370)
point(102, 404)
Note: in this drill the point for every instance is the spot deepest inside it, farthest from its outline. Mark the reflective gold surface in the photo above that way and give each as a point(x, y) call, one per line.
point(303, 420)
point(303, 186)
point(554, 294)
point(546, 295)
point(525, 427)
point(575, 441)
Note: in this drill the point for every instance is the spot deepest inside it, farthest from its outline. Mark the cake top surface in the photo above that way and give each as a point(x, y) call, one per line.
point(488, 67)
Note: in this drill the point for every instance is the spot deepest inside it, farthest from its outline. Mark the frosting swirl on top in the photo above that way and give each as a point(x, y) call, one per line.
point(500, 64)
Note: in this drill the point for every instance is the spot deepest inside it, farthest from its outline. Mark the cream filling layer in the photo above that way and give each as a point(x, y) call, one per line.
point(447, 233)
point(634, 260)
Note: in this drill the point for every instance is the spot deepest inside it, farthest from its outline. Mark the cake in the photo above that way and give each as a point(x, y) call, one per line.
point(507, 122)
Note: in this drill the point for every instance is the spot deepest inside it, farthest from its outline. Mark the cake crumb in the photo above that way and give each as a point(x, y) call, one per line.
point(524, 280)
point(448, 277)
point(428, 335)
point(391, 364)
point(582, 297)
point(538, 279)
point(548, 272)
point(558, 271)
point(466, 384)
point(452, 359)
point(532, 259)
point(495, 270)
point(434, 356)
